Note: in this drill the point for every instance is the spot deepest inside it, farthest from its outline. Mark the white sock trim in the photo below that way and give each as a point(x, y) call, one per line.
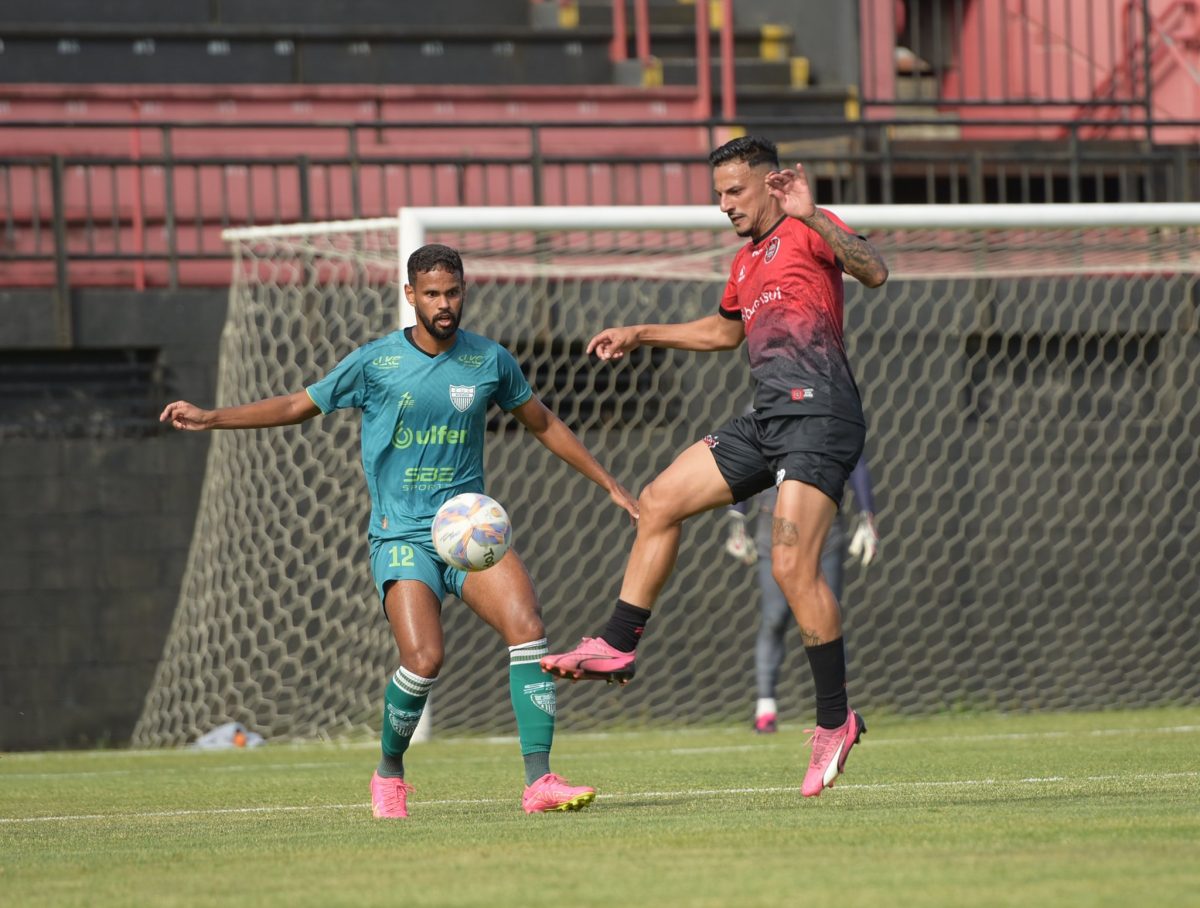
point(528, 652)
point(412, 683)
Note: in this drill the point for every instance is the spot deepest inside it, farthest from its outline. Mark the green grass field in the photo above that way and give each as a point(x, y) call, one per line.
point(1080, 809)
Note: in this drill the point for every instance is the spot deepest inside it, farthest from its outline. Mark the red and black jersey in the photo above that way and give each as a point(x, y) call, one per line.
point(787, 289)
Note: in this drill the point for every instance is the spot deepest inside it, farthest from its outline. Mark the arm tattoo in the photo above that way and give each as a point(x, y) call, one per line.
point(857, 256)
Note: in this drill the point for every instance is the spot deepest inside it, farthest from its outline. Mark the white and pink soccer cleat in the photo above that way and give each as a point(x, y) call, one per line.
point(830, 747)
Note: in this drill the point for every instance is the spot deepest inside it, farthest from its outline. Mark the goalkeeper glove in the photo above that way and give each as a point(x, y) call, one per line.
point(864, 542)
point(737, 541)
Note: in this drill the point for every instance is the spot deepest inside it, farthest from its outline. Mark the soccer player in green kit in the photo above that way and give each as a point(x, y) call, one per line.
point(424, 393)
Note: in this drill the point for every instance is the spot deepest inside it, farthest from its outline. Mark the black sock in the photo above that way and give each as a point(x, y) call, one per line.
point(625, 626)
point(828, 664)
point(391, 767)
point(537, 764)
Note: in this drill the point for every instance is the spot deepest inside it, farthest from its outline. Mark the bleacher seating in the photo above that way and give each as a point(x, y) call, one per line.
point(154, 53)
point(173, 119)
point(427, 120)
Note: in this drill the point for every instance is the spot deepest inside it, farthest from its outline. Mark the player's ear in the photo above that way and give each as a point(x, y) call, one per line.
point(408, 294)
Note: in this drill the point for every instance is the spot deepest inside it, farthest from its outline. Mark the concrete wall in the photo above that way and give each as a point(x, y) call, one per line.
point(97, 529)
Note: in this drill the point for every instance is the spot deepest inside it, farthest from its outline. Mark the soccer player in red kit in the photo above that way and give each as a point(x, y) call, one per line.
point(804, 435)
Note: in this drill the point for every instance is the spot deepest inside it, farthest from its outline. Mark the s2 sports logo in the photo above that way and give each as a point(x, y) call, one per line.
point(423, 479)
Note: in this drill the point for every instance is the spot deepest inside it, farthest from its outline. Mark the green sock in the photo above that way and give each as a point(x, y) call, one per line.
point(402, 707)
point(533, 700)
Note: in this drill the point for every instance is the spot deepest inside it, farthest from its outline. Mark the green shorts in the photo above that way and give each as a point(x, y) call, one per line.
point(413, 557)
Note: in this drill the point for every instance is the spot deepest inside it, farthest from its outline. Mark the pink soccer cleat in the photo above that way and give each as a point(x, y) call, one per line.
point(552, 792)
point(389, 797)
point(766, 724)
point(830, 747)
point(592, 660)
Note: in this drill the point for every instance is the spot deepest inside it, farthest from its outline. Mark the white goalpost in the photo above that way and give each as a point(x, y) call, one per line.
point(1030, 376)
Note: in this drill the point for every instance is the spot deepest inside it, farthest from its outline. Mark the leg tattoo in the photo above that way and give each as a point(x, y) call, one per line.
point(784, 532)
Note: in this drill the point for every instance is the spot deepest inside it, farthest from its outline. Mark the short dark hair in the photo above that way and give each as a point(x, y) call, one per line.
point(430, 258)
point(754, 150)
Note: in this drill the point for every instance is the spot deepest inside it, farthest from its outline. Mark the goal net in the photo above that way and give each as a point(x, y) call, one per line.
point(1030, 377)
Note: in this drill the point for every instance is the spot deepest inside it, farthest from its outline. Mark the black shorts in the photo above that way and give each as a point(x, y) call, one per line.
point(756, 452)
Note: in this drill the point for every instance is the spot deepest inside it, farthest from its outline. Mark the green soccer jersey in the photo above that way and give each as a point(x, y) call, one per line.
point(423, 420)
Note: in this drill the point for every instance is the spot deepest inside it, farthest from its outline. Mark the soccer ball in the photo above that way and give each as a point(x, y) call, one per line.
point(471, 531)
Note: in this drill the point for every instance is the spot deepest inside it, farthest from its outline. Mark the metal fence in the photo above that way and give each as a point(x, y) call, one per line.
point(155, 218)
point(1033, 400)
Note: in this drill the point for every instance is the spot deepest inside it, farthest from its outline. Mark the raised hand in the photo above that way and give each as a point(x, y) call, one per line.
point(790, 188)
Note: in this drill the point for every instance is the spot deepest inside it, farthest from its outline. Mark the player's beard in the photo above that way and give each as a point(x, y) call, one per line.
point(437, 331)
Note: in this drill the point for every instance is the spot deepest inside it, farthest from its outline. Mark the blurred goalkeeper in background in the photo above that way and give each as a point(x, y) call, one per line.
point(774, 616)
point(784, 299)
point(424, 393)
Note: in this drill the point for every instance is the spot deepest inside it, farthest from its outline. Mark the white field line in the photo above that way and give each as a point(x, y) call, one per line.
point(625, 796)
point(674, 751)
point(373, 744)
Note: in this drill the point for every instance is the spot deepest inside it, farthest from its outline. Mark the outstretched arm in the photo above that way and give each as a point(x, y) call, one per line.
point(564, 444)
point(285, 410)
point(713, 332)
point(858, 257)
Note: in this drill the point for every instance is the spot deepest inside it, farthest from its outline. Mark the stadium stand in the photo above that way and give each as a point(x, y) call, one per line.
point(139, 120)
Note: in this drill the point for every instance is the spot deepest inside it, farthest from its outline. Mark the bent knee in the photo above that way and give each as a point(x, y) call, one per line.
point(425, 662)
point(525, 629)
point(793, 572)
point(658, 506)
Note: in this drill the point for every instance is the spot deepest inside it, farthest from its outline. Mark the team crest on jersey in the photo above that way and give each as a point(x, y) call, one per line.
point(772, 248)
point(462, 396)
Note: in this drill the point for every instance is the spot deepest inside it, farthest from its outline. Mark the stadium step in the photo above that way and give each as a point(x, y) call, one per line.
point(149, 53)
point(771, 78)
point(267, 12)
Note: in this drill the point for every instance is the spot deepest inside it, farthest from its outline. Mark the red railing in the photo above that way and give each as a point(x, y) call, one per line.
point(644, 55)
